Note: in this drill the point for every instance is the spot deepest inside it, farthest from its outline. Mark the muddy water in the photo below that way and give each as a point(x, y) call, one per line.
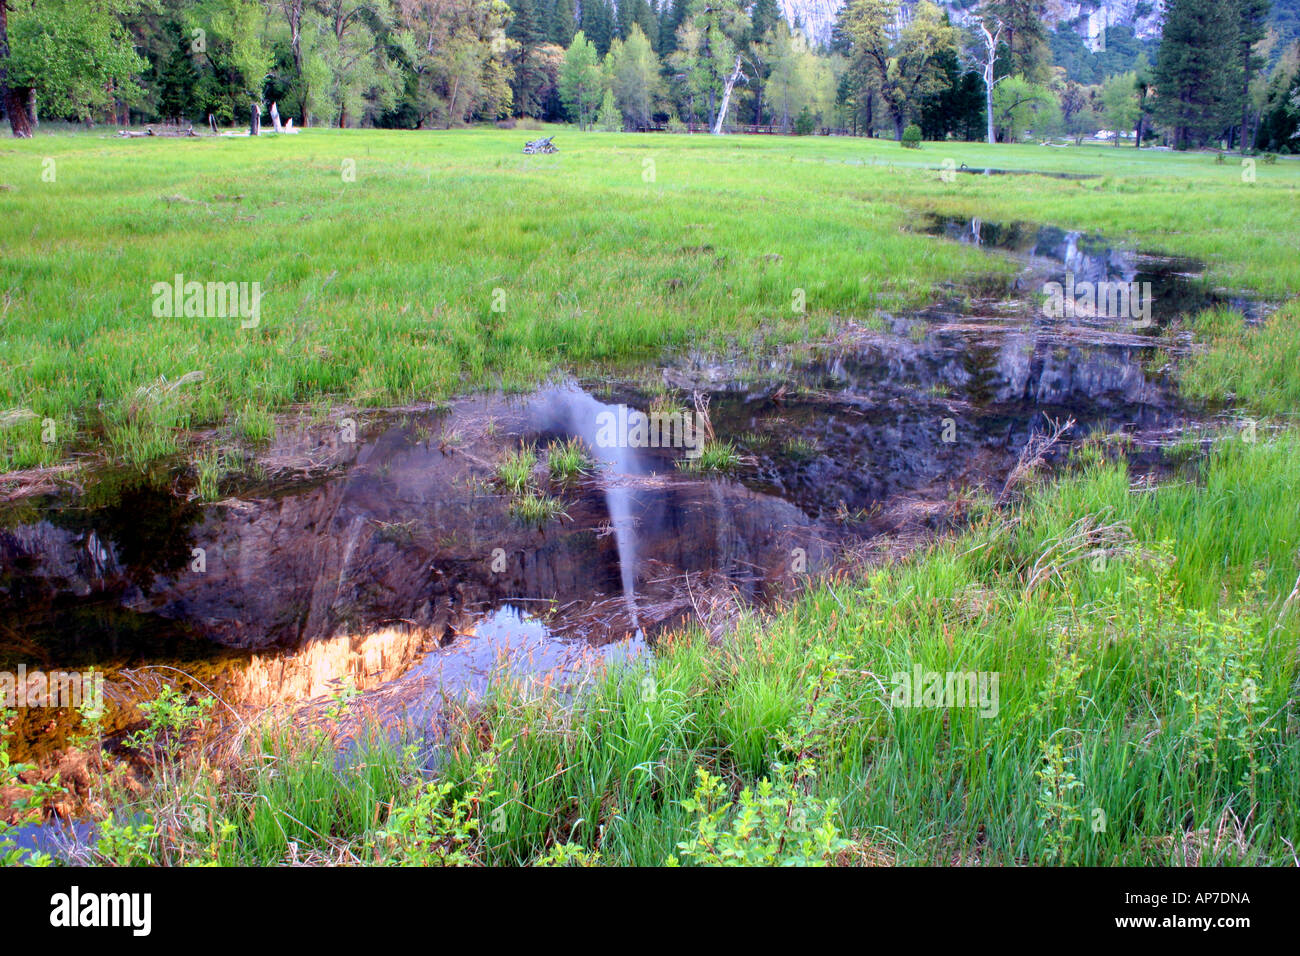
point(393, 563)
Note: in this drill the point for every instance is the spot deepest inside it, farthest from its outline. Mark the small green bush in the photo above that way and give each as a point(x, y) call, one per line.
point(804, 123)
point(912, 137)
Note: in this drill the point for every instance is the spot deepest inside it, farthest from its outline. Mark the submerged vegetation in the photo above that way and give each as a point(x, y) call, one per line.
point(567, 460)
point(517, 476)
point(515, 471)
point(714, 456)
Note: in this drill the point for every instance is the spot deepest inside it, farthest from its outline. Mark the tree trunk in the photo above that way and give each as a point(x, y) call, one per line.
point(15, 101)
point(1245, 93)
point(726, 97)
point(20, 121)
point(455, 89)
point(988, 109)
point(988, 68)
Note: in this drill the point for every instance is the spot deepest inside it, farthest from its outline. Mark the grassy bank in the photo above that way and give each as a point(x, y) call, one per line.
point(399, 267)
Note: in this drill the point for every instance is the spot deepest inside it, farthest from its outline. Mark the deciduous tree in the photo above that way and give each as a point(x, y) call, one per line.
point(904, 64)
point(581, 84)
point(72, 57)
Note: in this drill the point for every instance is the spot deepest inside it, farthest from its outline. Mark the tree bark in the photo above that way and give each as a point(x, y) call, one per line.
point(15, 100)
point(988, 65)
point(455, 89)
point(1245, 110)
point(20, 121)
point(1142, 115)
point(726, 96)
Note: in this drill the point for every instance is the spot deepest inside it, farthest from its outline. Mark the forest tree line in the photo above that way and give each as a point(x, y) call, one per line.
point(1223, 72)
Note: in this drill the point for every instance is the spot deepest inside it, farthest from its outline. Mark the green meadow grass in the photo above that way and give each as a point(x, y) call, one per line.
point(451, 262)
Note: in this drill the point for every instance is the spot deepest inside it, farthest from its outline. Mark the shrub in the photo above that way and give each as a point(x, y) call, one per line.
point(773, 824)
point(804, 123)
point(912, 137)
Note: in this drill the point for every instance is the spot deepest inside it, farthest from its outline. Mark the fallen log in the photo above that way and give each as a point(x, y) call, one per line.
point(171, 131)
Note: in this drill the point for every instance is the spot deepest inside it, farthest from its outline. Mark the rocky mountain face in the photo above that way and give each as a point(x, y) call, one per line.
point(1089, 18)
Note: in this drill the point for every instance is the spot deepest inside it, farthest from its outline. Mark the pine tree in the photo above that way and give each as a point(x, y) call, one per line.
point(177, 77)
point(598, 24)
point(956, 108)
point(623, 19)
point(1279, 122)
point(765, 16)
point(1196, 83)
point(1252, 26)
point(1027, 50)
point(526, 80)
point(523, 25)
point(672, 14)
point(563, 23)
point(643, 16)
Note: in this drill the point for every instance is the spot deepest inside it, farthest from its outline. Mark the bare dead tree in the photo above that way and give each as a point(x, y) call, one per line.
point(987, 63)
point(737, 75)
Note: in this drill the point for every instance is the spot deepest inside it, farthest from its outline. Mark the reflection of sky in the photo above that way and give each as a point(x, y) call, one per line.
point(505, 646)
point(54, 838)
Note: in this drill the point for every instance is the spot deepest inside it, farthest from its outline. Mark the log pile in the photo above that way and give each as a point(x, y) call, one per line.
point(539, 146)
